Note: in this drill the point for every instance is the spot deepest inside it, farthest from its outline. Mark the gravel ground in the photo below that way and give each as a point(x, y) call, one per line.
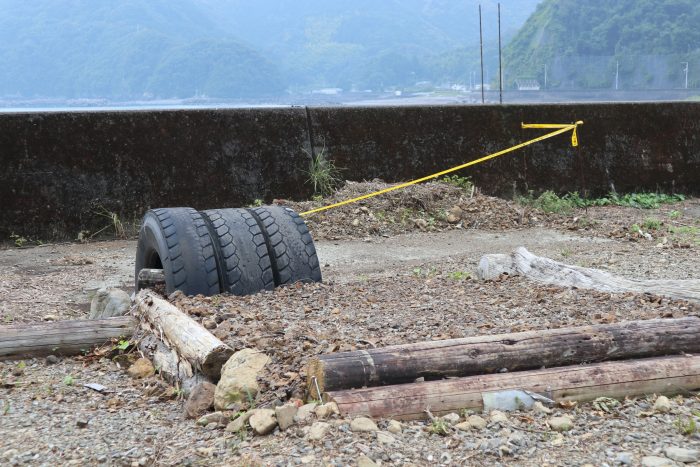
point(398, 283)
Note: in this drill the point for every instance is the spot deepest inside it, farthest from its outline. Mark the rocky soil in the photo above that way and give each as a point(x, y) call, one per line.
point(388, 279)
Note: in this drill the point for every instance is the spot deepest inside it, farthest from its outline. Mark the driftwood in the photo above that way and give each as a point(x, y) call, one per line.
point(62, 337)
point(666, 375)
point(189, 339)
point(517, 351)
point(150, 279)
point(522, 262)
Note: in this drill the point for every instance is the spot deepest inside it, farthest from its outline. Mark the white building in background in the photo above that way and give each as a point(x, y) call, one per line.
point(526, 84)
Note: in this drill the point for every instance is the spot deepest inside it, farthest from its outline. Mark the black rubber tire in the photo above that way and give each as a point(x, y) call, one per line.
point(292, 251)
point(177, 240)
point(243, 257)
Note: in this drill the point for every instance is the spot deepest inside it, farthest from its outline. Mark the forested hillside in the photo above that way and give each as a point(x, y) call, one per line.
point(584, 43)
point(134, 49)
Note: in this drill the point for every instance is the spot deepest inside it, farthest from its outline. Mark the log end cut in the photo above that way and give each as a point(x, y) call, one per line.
point(215, 359)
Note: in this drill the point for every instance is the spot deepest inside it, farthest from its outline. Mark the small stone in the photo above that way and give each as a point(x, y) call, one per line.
point(655, 461)
point(209, 323)
point(394, 427)
point(421, 224)
point(364, 461)
point(82, 423)
point(452, 219)
point(239, 378)
point(563, 423)
point(385, 438)
point(464, 426)
point(52, 360)
point(355, 222)
point(318, 431)
point(109, 303)
point(17, 371)
point(141, 368)
point(686, 456)
point(326, 410)
point(305, 413)
point(307, 459)
point(200, 400)
point(215, 417)
point(499, 417)
point(662, 405)
point(451, 418)
point(285, 415)
point(539, 407)
point(9, 454)
point(476, 422)
point(624, 458)
point(239, 423)
point(263, 421)
point(363, 425)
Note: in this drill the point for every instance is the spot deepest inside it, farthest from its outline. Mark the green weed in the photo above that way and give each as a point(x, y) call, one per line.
point(420, 272)
point(465, 183)
point(19, 240)
point(459, 275)
point(69, 380)
point(675, 214)
point(651, 224)
point(324, 176)
point(687, 426)
point(548, 202)
point(439, 427)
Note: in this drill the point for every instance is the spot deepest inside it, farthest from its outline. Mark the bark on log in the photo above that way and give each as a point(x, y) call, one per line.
point(150, 279)
point(62, 337)
point(516, 351)
point(522, 262)
point(666, 375)
point(189, 339)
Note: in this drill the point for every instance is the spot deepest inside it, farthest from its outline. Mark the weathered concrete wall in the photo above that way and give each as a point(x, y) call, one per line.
point(624, 147)
point(60, 169)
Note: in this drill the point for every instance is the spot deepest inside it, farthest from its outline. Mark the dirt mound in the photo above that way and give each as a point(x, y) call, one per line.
point(432, 206)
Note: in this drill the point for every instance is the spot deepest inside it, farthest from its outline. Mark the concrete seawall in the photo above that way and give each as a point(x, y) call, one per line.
point(61, 169)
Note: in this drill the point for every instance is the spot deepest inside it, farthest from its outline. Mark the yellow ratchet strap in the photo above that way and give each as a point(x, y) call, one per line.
point(560, 129)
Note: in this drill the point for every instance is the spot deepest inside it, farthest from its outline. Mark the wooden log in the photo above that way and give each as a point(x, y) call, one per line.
point(62, 337)
point(169, 365)
point(150, 279)
point(516, 351)
point(545, 270)
point(189, 339)
point(665, 375)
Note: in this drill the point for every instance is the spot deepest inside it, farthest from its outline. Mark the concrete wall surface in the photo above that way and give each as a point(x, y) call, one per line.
point(61, 169)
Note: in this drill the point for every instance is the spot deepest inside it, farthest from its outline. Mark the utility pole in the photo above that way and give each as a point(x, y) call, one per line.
point(686, 73)
point(481, 43)
point(617, 75)
point(500, 61)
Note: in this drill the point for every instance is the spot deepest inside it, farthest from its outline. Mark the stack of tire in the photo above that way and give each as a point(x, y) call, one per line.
point(236, 251)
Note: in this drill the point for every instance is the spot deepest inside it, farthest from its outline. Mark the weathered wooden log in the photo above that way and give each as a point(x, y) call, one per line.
point(189, 339)
point(516, 351)
point(169, 365)
point(522, 262)
point(62, 337)
point(665, 375)
point(150, 279)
